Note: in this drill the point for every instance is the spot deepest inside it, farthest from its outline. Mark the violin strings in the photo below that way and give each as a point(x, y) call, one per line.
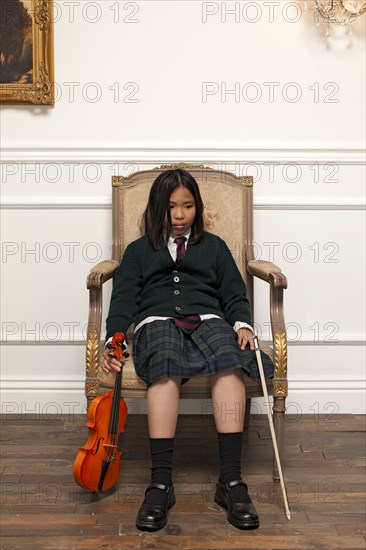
point(113, 424)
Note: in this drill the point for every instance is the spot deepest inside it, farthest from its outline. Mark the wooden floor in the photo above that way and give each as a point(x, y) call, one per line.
point(324, 456)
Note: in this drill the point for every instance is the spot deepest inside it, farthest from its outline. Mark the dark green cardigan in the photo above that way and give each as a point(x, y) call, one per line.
point(149, 283)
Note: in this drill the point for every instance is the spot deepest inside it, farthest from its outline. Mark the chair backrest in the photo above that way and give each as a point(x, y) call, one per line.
point(228, 209)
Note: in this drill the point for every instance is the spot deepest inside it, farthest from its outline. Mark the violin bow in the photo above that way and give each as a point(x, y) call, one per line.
point(269, 414)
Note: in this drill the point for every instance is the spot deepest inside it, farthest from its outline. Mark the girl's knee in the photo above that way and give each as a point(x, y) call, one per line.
point(166, 381)
point(233, 375)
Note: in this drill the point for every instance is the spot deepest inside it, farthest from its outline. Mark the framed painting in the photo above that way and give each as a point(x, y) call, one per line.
point(26, 52)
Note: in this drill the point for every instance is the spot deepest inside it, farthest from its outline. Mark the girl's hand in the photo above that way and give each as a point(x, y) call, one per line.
point(245, 336)
point(109, 362)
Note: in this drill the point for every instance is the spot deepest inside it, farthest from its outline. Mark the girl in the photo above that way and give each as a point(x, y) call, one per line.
point(181, 287)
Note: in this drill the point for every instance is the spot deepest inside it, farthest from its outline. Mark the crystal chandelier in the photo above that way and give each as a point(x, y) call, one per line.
point(339, 12)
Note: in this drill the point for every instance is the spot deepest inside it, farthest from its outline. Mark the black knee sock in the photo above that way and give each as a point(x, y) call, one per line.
point(230, 445)
point(161, 450)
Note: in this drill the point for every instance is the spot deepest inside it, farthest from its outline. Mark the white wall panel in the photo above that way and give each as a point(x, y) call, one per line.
point(45, 262)
point(322, 253)
point(163, 61)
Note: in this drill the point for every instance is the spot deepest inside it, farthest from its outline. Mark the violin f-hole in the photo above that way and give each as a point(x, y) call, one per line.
point(98, 445)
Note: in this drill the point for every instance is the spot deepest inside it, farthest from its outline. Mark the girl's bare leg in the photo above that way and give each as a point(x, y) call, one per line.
point(162, 407)
point(228, 401)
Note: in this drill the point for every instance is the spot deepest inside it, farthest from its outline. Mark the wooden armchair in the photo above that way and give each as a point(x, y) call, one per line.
point(228, 201)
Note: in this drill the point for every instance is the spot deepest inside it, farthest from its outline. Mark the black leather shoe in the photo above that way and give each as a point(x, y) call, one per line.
point(240, 514)
point(152, 517)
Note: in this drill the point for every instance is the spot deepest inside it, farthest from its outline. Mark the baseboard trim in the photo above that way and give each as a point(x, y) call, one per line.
point(346, 340)
point(76, 383)
point(46, 398)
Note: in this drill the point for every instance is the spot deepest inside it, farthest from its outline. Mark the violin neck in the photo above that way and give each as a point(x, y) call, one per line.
point(114, 417)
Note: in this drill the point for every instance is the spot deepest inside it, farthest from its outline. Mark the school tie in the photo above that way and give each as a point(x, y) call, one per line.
point(190, 322)
point(181, 249)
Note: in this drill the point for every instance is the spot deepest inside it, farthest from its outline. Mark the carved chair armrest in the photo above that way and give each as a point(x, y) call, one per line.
point(267, 271)
point(101, 273)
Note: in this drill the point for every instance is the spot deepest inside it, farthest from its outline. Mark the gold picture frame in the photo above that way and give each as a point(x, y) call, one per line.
point(27, 52)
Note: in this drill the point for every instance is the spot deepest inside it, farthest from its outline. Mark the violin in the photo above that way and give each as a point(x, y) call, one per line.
point(97, 464)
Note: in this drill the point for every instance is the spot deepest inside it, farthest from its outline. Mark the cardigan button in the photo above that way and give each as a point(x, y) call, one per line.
point(176, 292)
point(177, 308)
point(176, 279)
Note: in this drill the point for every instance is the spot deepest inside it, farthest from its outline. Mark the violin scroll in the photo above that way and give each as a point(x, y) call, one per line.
point(118, 345)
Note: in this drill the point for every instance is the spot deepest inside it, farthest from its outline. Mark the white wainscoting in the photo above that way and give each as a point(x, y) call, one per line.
point(42, 300)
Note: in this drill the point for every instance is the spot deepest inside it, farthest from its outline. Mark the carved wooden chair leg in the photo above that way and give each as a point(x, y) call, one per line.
point(248, 403)
point(247, 412)
point(279, 424)
point(89, 399)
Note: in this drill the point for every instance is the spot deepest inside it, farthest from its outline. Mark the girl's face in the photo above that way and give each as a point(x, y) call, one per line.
point(182, 210)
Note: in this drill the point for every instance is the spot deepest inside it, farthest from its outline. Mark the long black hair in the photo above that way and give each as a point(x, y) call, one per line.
point(156, 222)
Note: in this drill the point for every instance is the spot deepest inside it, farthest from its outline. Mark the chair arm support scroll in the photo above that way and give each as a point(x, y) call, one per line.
point(98, 275)
point(101, 273)
point(272, 274)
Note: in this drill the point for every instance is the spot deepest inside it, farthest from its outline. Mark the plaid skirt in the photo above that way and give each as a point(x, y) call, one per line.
point(161, 349)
